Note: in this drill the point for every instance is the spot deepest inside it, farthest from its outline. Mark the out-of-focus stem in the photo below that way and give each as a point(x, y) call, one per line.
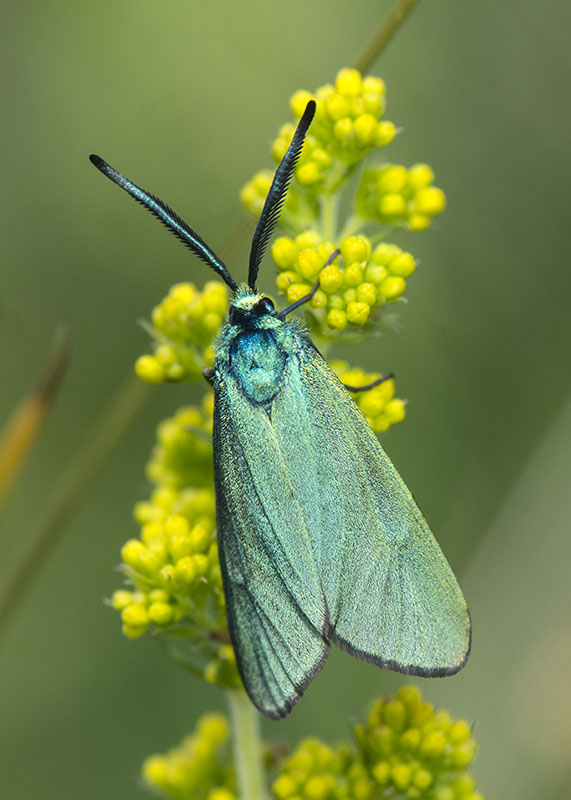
point(247, 745)
point(74, 484)
point(384, 34)
point(23, 428)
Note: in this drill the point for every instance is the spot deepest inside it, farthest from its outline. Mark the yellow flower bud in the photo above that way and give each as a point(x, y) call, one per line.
point(429, 201)
point(463, 754)
point(385, 252)
point(307, 239)
point(408, 694)
point(422, 779)
point(185, 572)
point(386, 132)
point(149, 369)
point(343, 129)
point(285, 279)
point(419, 176)
point(337, 319)
point(358, 313)
point(393, 179)
point(131, 551)
point(336, 301)
point(133, 631)
point(215, 297)
point(367, 293)
point(358, 108)
point(317, 788)
point(355, 248)
point(402, 265)
point(410, 740)
point(418, 222)
point(433, 744)
point(382, 772)
point(401, 776)
point(250, 199)
point(135, 616)
point(392, 287)
point(374, 85)
point(201, 564)
point(330, 278)
point(299, 101)
point(322, 158)
point(375, 273)
point(353, 274)
point(459, 732)
point(337, 107)
point(309, 262)
point(199, 538)
point(296, 291)
point(160, 613)
point(284, 787)
point(262, 181)
point(319, 299)
point(221, 794)
point(349, 82)
point(308, 173)
point(365, 129)
point(156, 771)
point(284, 252)
point(395, 410)
point(381, 424)
point(121, 599)
point(392, 205)
point(165, 355)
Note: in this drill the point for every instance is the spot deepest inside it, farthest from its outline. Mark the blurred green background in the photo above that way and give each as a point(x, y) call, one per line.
point(185, 98)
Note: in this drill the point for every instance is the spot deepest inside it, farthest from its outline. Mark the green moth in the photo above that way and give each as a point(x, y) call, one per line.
point(320, 540)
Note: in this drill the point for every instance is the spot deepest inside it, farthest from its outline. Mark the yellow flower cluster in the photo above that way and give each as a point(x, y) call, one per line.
point(379, 405)
point(410, 747)
point(347, 126)
point(184, 326)
point(199, 768)
point(395, 195)
point(404, 749)
point(173, 567)
point(358, 282)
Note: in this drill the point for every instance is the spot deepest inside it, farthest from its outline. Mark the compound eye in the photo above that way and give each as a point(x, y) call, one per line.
point(263, 306)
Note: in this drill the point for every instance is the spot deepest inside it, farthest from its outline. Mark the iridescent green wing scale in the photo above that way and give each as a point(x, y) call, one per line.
point(275, 603)
point(390, 592)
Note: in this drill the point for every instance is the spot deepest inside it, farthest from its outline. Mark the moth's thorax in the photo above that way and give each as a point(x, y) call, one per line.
point(254, 346)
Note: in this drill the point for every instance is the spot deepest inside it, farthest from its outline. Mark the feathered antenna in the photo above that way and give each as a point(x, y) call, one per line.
point(170, 220)
point(277, 195)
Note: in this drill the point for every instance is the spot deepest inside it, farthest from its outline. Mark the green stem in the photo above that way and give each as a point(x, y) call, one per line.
point(247, 745)
point(72, 489)
point(384, 34)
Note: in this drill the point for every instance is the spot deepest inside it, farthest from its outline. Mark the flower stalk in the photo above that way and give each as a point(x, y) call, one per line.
point(247, 745)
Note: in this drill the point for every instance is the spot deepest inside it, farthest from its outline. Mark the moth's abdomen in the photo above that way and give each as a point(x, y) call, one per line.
point(257, 362)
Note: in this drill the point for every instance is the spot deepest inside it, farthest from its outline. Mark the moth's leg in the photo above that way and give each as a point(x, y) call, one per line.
point(371, 385)
point(306, 298)
point(208, 375)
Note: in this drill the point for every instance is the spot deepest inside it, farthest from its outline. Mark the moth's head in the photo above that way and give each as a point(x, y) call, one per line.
point(252, 310)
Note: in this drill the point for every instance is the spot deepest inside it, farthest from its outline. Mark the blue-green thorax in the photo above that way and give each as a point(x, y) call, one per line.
point(255, 344)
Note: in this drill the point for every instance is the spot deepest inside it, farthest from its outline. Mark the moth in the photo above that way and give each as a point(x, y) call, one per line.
point(320, 540)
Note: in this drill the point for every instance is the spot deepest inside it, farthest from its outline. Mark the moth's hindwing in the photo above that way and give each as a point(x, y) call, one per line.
point(275, 602)
point(391, 594)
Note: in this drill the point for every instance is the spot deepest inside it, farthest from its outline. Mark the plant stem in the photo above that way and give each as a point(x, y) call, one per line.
point(247, 746)
point(384, 34)
point(72, 488)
